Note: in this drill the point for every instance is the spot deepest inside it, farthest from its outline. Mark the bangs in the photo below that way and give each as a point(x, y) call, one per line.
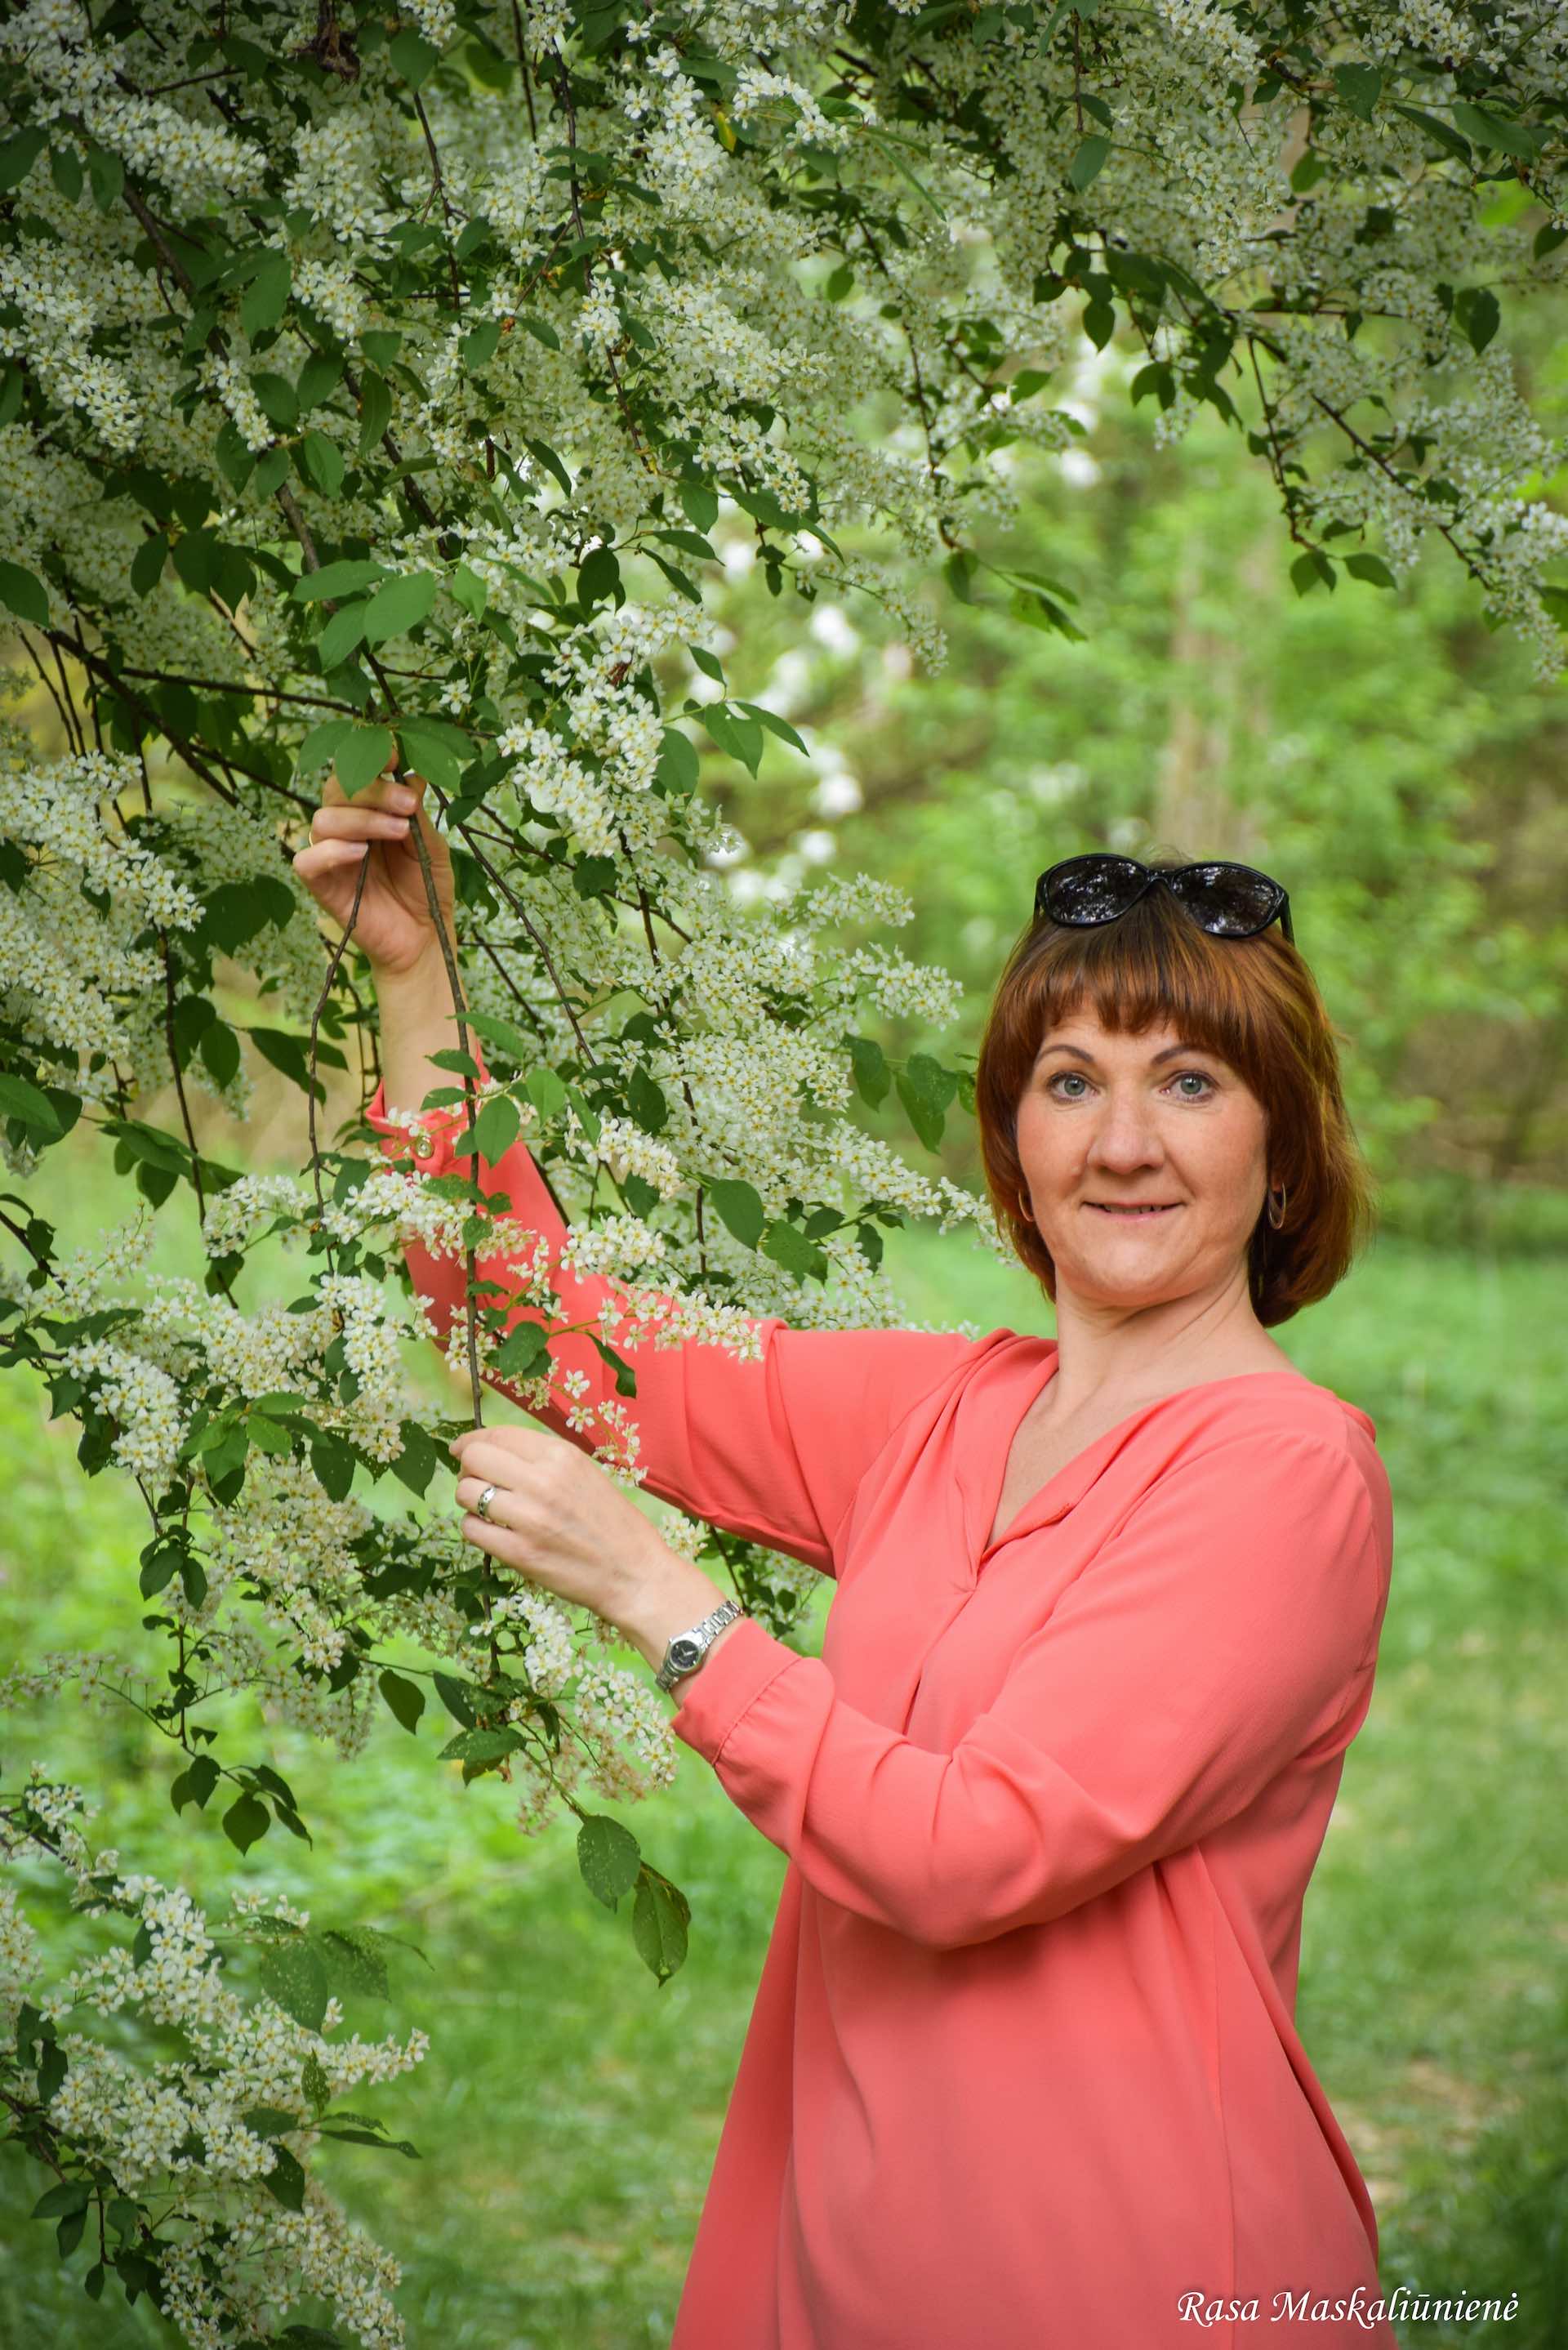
point(1154, 967)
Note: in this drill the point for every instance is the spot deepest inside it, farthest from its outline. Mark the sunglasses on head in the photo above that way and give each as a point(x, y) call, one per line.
point(1229, 901)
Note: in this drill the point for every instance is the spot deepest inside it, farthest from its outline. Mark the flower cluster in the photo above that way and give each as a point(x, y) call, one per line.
point(203, 2131)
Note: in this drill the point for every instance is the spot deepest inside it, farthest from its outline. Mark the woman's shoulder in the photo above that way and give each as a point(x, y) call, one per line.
point(1297, 1433)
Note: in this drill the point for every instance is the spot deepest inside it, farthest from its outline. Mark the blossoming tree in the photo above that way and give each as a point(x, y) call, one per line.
point(375, 382)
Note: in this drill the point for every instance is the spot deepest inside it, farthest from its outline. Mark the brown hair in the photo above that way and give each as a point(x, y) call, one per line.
point(1252, 1001)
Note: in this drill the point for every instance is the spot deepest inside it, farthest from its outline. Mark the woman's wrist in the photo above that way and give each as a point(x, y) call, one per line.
point(416, 1019)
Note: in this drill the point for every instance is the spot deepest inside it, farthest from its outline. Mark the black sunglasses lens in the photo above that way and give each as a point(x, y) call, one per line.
point(1093, 889)
point(1231, 900)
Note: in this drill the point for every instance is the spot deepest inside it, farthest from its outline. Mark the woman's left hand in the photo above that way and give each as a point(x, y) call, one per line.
point(556, 1517)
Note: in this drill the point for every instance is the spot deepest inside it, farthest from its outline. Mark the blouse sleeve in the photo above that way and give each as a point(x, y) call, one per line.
point(772, 1448)
point(1228, 1628)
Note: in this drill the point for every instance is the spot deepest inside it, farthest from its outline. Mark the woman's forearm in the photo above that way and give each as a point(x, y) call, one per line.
point(416, 1020)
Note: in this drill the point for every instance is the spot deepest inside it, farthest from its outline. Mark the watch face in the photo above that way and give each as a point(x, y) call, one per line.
point(684, 1653)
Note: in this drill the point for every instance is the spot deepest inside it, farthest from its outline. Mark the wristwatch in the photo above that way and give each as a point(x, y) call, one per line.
point(687, 1650)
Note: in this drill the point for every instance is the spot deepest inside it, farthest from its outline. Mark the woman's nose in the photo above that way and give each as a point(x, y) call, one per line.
point(1126, 1134)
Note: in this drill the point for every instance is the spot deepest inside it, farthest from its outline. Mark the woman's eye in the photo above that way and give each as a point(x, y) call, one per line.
point(1186, 1078)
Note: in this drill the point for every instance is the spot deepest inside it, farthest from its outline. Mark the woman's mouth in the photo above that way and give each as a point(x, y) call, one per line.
point(1160, 1208)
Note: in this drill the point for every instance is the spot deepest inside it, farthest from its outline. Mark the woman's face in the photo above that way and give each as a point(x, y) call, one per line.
point(1108, 1120)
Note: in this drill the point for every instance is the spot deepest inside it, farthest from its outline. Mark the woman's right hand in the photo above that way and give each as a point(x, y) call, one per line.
point(394, 925)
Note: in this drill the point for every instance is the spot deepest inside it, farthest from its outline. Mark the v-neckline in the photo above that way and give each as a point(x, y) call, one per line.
point(1067, 1485)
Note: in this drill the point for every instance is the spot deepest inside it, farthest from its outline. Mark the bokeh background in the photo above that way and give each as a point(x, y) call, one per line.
point(1398, 765)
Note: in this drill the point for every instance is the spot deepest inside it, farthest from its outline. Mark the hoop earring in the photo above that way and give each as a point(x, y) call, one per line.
point(1024, 1212)
point(1276, 1221)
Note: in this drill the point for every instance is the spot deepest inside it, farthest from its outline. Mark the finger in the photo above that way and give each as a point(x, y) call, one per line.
point(498, 1515)
point(387, 790)
point(327, 858)
point(358, 824)
point(494, 1463)
point(505, 1548)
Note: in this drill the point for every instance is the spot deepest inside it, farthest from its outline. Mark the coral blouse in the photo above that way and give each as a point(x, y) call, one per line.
point(1021, 2072)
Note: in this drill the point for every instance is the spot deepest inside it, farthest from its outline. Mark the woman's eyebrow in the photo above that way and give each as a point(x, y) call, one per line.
point(1167, 1052)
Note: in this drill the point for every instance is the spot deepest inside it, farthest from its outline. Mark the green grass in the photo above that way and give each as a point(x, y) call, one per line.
point(569, 2108)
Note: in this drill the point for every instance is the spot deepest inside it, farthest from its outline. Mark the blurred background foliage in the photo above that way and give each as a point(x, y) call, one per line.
point(1398, 765)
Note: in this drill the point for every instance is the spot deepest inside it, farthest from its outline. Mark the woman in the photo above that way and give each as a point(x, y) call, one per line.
point(1022, 2067)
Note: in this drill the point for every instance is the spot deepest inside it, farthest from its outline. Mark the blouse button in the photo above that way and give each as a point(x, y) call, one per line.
point(424, 1147)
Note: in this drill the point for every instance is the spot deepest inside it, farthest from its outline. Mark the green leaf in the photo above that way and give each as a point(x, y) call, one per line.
point(1361, 86)
point(362, 757)
point(598, 576)
point(18, 156)
point(548, 459)
point(277, 400)
point(147, 563)
point(332, 1461)
point(270, 2121)
point(481, 1746)
point(457, 1697)
point(19, 1099)
point(545, 1091)
point(524, 1354)
point(322, 744)
point(401, 604)
point(293, 1974)
point(700, 503)
point(318, 380)
point(342, 633)
point(159, 1570)
point(1490, 130)
point(495, 1129)
point(333, 580)
point(789, 1247)
point(1370, 567)
point(405, 1700)
point(660, 1918)
point(416, 1464)
point(23, 594)
point(739, 738)
point(375, 411)
point(246, 1821)
point(195, 1784)
point(354, 1960)
point(434, 749)
point(647, 1102)
point(872, 1076)
point(926, 1089)
point(470, 590)
point(610, 1857)
point(322, 462)
point(285, 2180)
point(70, 2195)
point(1311, 571)
point(265, 298)
point(774, 725)
point(1447, 137)
point(415, 58)
point(740, 1209)
point(678, 769)
point(1477, 314)
point(1089, 161)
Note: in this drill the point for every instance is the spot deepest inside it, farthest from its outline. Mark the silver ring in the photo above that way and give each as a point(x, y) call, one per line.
point(482, 1507)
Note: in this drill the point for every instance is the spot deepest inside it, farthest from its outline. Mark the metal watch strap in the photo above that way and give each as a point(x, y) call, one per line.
point(687, 1650)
